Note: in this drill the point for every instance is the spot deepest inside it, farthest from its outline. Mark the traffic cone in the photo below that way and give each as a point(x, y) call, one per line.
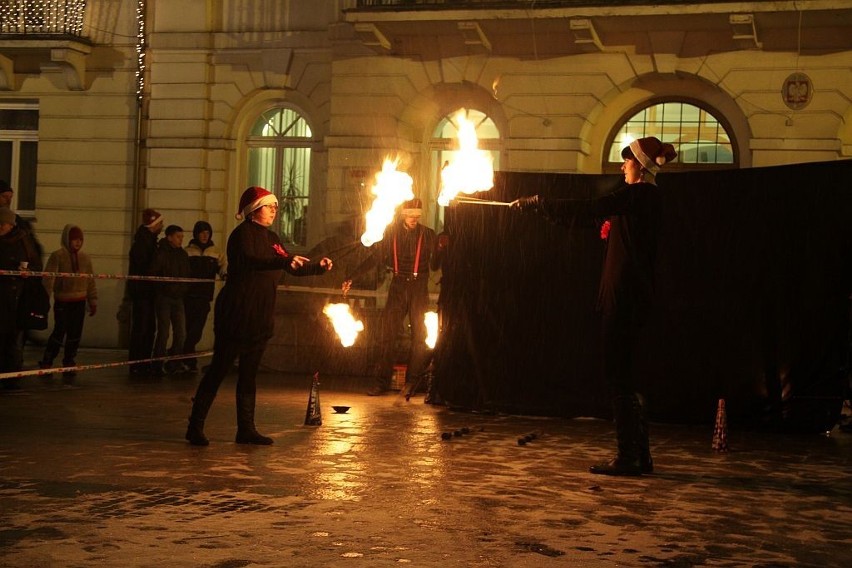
point(313, 416)
point(720, 431)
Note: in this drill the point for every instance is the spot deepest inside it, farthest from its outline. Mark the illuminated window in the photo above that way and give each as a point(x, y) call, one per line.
point(699, 137)
point(279, 159)
point(443, 145)
point(19, 154)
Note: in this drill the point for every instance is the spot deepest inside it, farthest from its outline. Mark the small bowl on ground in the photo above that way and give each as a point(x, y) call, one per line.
point(341, 409)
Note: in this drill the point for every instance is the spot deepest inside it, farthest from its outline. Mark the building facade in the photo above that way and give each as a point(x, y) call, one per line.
point(111, 106)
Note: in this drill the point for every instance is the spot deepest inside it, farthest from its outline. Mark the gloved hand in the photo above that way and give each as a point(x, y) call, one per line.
point(526, 203)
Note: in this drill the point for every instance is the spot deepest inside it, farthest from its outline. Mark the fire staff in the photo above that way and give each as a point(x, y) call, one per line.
point(409, 249)
point(632, 216)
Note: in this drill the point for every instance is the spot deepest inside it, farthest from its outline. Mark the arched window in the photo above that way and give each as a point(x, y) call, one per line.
point(279, 159)
point(443, 147)
point(701, 139)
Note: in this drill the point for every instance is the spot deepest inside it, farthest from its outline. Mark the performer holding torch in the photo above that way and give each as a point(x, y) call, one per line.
point(626, 287)
point(245, 312)
point(410, 250)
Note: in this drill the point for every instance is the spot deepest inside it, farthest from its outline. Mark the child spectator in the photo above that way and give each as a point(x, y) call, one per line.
point(172, 261)
point(205, 261)
point(70, 298)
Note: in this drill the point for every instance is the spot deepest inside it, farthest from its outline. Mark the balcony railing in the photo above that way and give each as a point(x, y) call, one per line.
point(42, 17)
point(519, 4)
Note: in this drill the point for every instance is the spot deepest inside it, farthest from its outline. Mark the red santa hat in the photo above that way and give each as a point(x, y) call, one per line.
point(650, 152)
point(253, 198)
point(412, 207)
point(150, 218)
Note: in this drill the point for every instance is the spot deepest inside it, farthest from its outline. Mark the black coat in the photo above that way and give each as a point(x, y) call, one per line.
point(142, 253)
point(173, 262)
point(15, 246)
point(402, 261)
point(245, 308)
point(627, 277)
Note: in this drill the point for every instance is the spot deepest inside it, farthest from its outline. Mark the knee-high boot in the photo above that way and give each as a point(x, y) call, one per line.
point(246, 431)
point(626, 461)
point(200, 406)
point(646, 462)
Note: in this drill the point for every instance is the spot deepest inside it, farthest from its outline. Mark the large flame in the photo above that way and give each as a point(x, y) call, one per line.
point(345, 324)
point(392, 188)
point(470, 170)
point(431, 320)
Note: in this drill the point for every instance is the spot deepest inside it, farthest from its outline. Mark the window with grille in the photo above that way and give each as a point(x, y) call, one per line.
point(279, 159)
point(699, 136)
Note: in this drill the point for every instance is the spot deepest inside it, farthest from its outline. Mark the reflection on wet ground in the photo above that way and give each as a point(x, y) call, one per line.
point(101, 475)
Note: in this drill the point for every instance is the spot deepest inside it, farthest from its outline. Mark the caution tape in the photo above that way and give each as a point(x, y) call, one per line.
point(43, 372)
point(26, 273)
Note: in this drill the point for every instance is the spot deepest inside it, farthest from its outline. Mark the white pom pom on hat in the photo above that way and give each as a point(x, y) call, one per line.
point(254, 198)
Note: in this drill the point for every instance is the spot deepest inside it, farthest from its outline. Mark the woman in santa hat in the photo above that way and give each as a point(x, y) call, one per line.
point(245, 312)
point(632, 218)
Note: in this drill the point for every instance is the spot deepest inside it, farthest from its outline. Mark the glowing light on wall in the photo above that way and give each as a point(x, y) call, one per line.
point(42, 17)
point(140, 49)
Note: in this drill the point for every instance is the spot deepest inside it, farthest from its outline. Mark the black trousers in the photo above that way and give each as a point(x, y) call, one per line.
point(197, 310)
point(406, 298)
point(619, 331)
point(143, 327)
point(68, 318)
point(224, 354)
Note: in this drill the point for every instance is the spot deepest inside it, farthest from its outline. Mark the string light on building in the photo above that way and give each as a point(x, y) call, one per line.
point(42, 17)
point(140, 49)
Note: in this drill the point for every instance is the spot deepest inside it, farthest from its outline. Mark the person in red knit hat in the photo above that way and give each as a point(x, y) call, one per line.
point(244, 316)
point(632, 219)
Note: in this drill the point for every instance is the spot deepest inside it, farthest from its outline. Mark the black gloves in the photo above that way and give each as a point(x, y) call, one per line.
point(530, 203)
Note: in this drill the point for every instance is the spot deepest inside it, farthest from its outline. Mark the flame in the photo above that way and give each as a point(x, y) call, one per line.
point(431, 320)
point(345, 324)
point(470, 170)
point(392, 188)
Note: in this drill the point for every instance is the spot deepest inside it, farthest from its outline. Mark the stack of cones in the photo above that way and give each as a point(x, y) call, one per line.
point(720, 432)
point(313, 416)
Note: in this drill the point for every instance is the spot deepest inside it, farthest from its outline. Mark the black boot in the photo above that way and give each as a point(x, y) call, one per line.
point(246, 431)
point(646, 462)
point(626, 461)
point(195, 430)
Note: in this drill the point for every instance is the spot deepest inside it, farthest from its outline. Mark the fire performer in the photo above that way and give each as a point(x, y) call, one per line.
point(244, 317)
point(410, 250)
point(632, 215)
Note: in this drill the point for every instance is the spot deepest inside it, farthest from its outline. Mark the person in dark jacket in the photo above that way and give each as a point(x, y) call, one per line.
point(171, 261)
point(409, 249)
point(632, 219)
point(205, 261)
point(143, 320)
point(244, 317)
point(17, 252)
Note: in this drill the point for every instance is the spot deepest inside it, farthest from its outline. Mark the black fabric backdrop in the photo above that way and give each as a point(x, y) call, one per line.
point(752, 299)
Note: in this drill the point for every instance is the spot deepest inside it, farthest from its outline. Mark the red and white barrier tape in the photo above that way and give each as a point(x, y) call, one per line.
point(26, 273)
point(43, 372)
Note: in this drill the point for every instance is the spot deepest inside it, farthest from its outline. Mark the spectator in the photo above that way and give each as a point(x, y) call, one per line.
point(142, 319)
point(70, 298)
point(171, 261)
point(17, 252)
point(205, 261)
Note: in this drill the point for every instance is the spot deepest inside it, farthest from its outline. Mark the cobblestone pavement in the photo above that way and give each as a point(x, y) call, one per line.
point(99, 475)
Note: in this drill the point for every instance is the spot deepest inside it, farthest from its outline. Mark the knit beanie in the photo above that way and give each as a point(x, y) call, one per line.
point(650, 152)
point(254, 198)
point(412, 207)
point(150, 218)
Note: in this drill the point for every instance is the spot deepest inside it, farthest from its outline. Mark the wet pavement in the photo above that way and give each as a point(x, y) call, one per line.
point(99, 475)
